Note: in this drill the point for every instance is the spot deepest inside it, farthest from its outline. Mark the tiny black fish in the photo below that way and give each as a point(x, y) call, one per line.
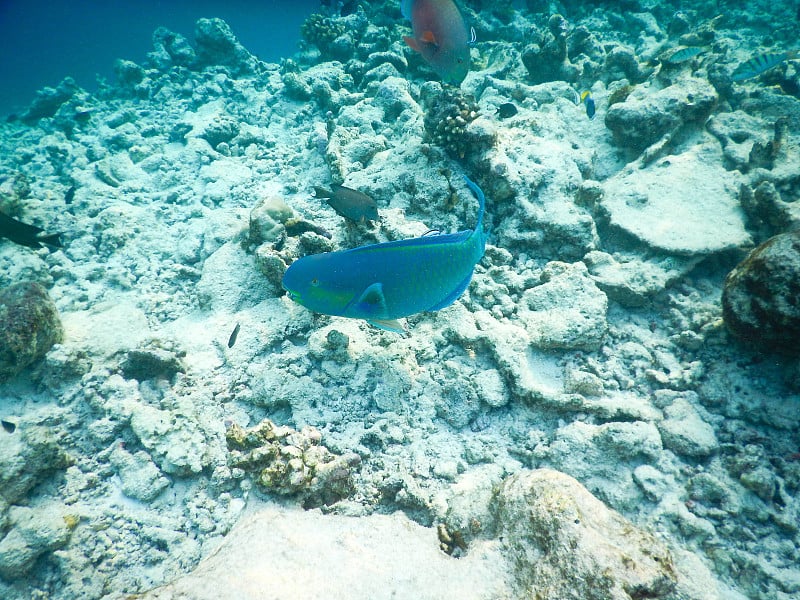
point(234, 335)
point(70, 195)
point(506, 110)
point(26, 235)
point(349, 203)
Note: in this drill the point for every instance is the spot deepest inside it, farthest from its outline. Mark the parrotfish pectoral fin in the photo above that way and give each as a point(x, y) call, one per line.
point(370, 302)
point(412, 43)
point(428, 37)
point(389, 325)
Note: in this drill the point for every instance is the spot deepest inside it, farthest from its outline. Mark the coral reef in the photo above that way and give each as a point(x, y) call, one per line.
point(590, 341)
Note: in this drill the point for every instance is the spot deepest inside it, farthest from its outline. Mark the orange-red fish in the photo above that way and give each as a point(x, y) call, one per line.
point(440, 35)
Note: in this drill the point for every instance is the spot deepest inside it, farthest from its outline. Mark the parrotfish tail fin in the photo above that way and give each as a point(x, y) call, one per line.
point(481, 204)
point(53, 240)
point(389, 325)
point(405, 8)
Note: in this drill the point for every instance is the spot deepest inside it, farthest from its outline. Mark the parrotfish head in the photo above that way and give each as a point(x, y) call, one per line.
point(311, 282)
point(451, 64)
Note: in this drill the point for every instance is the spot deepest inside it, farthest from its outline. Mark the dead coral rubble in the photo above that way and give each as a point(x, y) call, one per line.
point(292, 463)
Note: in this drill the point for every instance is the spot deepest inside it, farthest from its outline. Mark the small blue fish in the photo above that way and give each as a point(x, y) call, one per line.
point(385, 282)
point(588, 101)
point(759, 64)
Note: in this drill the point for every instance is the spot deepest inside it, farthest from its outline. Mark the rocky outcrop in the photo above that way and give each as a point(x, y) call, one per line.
point(761, 298)
point(29, 326)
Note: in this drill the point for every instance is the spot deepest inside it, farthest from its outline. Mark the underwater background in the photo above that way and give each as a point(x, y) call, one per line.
point(43, 41)
point(385, 299)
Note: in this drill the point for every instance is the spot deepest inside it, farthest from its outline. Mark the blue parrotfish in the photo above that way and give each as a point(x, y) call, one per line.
point(760, 63)
point(384, 282)
point(440, 36)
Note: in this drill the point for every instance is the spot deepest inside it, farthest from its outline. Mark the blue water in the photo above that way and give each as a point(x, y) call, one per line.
point(43, 41)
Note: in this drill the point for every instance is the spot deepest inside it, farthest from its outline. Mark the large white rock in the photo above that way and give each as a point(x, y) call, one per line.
point(293, 555)
point(683, 204)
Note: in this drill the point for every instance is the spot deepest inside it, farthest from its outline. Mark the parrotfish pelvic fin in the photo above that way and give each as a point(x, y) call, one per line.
point(393, 325)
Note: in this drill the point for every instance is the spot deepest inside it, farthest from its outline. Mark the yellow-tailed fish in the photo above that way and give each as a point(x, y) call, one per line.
point(588, 101)
point(382, 283)
point(440, 36)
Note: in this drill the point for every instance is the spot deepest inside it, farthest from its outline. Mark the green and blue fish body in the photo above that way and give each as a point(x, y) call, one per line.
point(758, 64)
point(382, 283)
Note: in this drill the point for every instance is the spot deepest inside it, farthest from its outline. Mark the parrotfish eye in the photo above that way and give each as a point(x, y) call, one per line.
point(315, 282)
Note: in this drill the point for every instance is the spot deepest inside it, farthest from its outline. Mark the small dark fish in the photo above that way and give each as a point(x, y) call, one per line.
point(588, 101)
point(9, 426)
point(234, 335)
point(504, 111)
point(351, 204)
point(26, 235)
point(759, 64)
point(70, 195)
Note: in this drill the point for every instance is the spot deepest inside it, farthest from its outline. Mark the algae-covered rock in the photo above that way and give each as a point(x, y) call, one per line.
point(667, 205)
point(152, 361)
point(29, 326)
point(292, 463)
point(27, 455)
point(568, 544)
point(685, 433)
point(566, 311)
point(293, 555)
point(761, 297)
point(141, 478)
point(34, 531)
point(643, 119)
point(217, 45)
